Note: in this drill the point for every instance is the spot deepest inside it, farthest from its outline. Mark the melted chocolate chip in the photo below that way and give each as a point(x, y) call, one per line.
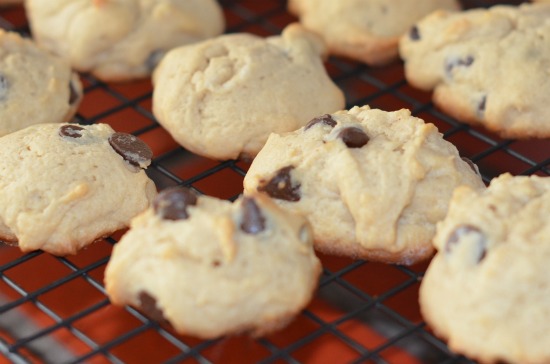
point(353, 137)
point(148, 304)
point(253, 221)
point(452, 63)
point(414, 33)
point(4, 87)
point(325, 119)
point(73, 93)
point(462, 230)
point(471, 164)
point(280, 186)
point(171, 203)
point(71, 131)
point(132, 149)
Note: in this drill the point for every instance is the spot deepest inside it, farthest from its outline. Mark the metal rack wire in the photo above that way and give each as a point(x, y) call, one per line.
point(55, 309)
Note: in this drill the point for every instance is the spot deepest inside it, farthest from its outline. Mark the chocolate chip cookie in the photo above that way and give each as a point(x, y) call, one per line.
point(486, 66)
point(221, 98)
point(62, 186)
point(210, 267)
point(123, 39)
point(365, 30)
point(35, 87)
point(486, 290)
point(372, 183)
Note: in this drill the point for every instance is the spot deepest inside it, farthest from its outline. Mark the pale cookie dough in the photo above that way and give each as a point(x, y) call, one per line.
point(365, 30)
point(486, 67)
point(221, 98)
point(120, 39)
point(35, 87)
point(487, 289)
point(62, 186)
point(372, 183)
point(210, 267)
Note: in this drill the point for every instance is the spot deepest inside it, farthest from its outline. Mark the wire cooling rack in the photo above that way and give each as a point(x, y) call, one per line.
point(55, 309)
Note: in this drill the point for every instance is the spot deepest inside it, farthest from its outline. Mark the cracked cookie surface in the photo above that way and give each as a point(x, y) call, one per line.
point(221, 98)
point(486, 289)
point(365, 30)
point(122, 39)
point(35, 87)
point(62, 186)
point(210, 267)
point(486, 66)
point(372, 183)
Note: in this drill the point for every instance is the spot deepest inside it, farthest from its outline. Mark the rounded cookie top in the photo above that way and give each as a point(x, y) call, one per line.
point(487, 289)
point(62, 186)
point(366, 30)
point(372, 183)
point(35, 87)
point(120, 39)
point(486, 66)
point(210, 267)
point(221, 98)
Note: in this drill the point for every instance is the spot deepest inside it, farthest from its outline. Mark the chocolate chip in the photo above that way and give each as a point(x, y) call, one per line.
point(280, 186)
point(148, 304)
point(172, 203)
point(462, 230)
point(482, 104)
point(73, 93)
point(154, 58)
point(132, 149)
point(353, 137)
point(253, 221)
point(71, 131)
point(471, 164)
point(414, 33)
point(216, 263)
point(452, 63)
point(325, 119)
point(4, 86)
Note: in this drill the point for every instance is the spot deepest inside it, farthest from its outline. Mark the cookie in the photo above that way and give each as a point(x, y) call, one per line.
point(210, 267)
point(486, 66)
point(223, 97)
point(123, 39)
point(62, 186)
point(372, 183)
point(365, 30)
point(487, 288)
point(35, 87)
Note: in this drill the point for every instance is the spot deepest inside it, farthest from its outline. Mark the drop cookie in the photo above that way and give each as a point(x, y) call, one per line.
point(221, 98)
point(35, 87)
point(486, 66)
point(210, 267)
point(373, 184)
point(62, 186)
point(365, 30)
point(123, 39)
point(487, 288)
